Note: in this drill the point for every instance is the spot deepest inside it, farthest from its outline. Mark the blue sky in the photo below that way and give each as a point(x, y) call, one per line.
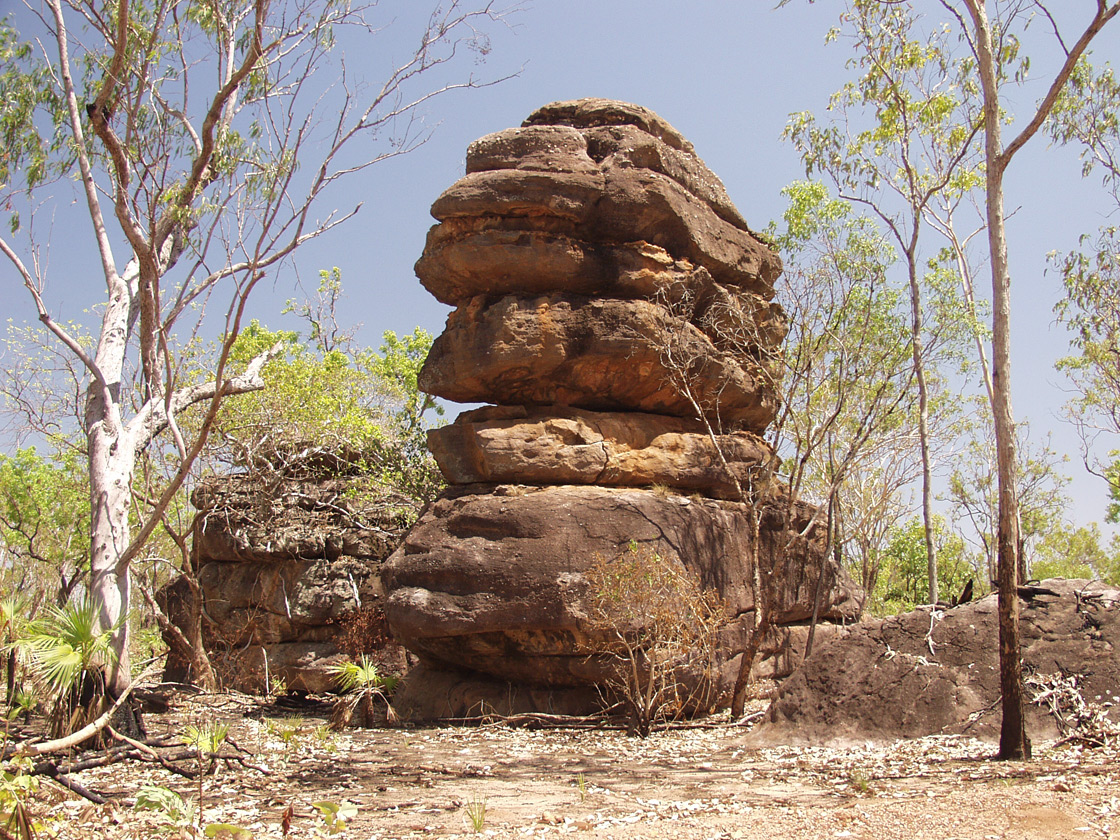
point(727, 75)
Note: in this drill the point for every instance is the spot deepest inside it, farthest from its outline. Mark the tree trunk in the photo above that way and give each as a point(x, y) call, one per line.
point(761, 594)
point(917, 347)
point(111, 463)
point(832, 547)
point(178, 610)
point(1013, 743)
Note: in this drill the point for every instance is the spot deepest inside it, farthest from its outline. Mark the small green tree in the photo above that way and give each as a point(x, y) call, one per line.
point(1070, 551)
point(1091, 309)
point(973, 492)
point(69, 658)
point(903, 581)
point(900, 138)
point(44, 522)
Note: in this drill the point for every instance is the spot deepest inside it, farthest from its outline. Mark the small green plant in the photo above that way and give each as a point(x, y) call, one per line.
point(335, 815)
point(227, 831)
point(288, 730)
point(859, 781)
point(326, 737)
point(581, 786)
point(24, 702)
point(166, 802)
point(18, 788)
point(13, 609)
point(147, 644)
point(361, 685)
point(277, 687)
point(206, 740)
point(179, 814)
point(476, 814)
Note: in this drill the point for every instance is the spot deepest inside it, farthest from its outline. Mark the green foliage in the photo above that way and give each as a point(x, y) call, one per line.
point(341, 411)
point(362, 684)
point(45, 517)
point(335, 815)
point(1076, 552)
point(973, 491)
point(846, 386)
point(311, 403)
point(31, 117)
point(19, 788)
point(325, 334)
point(1091, 309)
point(67, 653)
point(903, 579)
point(907, 123)
point(476, 814)
point(205, 739)
point(13, 620)
point(167, 802)
point(227, 831)
point(1086, 114)
point(360, 675)
point(399, 365)
point(1112, 476)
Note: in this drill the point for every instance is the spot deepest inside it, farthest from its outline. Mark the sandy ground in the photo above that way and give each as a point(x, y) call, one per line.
point(705, 781)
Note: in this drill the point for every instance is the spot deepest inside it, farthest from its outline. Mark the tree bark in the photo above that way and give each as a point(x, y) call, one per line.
point(1013, 743)
point(918, 348)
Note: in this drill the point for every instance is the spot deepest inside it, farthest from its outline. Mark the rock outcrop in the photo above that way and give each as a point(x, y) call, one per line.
point(936, 672)
point(614, 304)
point(289, 572)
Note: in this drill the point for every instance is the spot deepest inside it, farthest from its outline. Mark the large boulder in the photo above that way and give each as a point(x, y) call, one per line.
point(493, 579)
point(601, 354)
point(621, 204)
point(514, 444)
point(936, 672)
point(474, 257)
point(615, 305)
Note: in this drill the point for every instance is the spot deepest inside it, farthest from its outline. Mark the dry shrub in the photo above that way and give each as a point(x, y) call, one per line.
point(659, 627)
point(364, 631)
point(1079, 720)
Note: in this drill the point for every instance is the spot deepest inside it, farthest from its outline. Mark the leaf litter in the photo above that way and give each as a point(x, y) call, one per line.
point(695, 781)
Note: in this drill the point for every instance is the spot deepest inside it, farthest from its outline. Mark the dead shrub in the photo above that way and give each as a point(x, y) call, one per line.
point(655, 623)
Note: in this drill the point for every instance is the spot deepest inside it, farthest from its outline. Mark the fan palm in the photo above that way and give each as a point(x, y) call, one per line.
point(67, 654)
point(361, 684)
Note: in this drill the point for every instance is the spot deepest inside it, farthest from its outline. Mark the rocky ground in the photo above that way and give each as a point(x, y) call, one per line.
point(703, 781)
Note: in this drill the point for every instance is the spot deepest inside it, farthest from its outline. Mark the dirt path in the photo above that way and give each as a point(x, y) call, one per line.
point(706, 782)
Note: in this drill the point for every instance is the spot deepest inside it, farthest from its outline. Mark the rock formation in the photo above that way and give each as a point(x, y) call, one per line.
point(617, 308)
point(289, 574)
point(936, 672)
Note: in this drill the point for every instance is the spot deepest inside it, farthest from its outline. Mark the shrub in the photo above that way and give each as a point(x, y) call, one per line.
point(657, 627)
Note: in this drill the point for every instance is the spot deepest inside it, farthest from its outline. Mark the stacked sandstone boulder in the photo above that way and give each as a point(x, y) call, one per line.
point(601, 278)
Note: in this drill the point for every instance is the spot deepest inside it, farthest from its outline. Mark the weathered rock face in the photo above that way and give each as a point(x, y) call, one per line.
point(924, 673)
point(591, 353)
point(506, 444)
point(492, 578)
point(284, 570)
point(615, 305)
